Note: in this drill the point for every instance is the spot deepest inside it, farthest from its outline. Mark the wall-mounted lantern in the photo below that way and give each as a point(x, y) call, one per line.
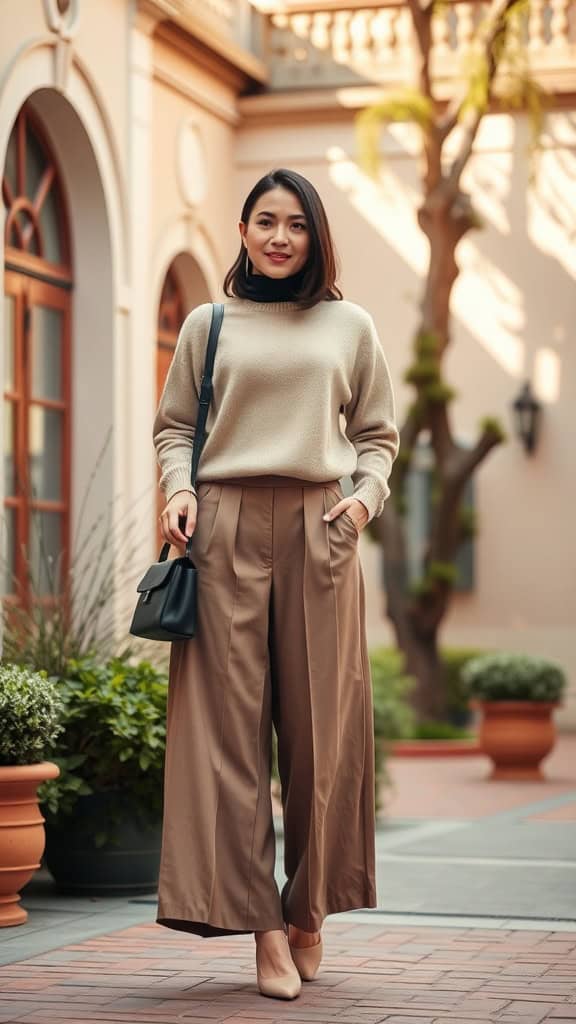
point(527, 410)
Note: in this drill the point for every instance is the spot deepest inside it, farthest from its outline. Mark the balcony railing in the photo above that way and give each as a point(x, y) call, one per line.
point(328, 44)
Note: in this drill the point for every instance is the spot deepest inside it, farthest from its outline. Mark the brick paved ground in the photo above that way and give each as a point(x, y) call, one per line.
point(371, 973)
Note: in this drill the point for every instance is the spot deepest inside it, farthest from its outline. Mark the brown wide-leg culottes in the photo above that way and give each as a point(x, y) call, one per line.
point(280, 638)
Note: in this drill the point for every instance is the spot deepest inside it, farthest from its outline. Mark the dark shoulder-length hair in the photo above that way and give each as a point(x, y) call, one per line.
point(321, 269)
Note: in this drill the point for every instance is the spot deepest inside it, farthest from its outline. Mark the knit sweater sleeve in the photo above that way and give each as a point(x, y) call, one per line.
point(175, 421)
point(370, 422)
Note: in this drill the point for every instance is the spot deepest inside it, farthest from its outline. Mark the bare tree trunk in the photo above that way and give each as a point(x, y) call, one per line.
point(416, 633)
point(445, 216)
point(423, 662)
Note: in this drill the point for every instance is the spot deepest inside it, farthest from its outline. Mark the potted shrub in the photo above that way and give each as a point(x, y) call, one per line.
point(396, 725)
point(516, 695)
point(393, 715)
point(456, 697)
point(30, 715)
point(103, 815)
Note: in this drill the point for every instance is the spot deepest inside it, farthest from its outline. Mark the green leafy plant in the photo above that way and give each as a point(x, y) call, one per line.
point(67, 608)
point(430, 729)
point(456, 695)
point(30, 713)
point(114, 739)
point(494, 677)
point(391, 688)
point(393, 715)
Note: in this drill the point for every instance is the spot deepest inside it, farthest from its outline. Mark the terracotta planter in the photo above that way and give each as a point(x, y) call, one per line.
point(517, 735)
point(435, 748)
point(21, 834)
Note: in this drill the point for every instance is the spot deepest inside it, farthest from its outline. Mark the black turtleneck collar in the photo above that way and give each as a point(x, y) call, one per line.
point(261, 288)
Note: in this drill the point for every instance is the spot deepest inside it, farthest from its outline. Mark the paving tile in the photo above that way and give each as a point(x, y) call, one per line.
point(250, 1020)
point(454, 1019)
point(409, 1020)
point(15, 1011)
point(534, 1016)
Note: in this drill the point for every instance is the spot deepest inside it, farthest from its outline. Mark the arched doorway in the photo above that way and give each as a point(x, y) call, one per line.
point(184, 287)
point(37, 331)
point(170, 318)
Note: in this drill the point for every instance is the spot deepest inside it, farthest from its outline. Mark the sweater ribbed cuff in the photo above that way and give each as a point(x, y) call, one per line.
point(176, 479)
point(372, 493)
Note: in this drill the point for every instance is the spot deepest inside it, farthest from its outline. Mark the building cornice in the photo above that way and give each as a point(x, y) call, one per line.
point(178, 19)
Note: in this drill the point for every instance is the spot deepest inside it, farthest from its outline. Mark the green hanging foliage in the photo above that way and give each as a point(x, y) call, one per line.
point(467, 522)
point(492, 427)
point(436, 574)
point(403, 105)
point(427, 343)
point(442, 572)
point(425, 370)
point(439, 393)
point(421, 589)
point(478, 86)
point(517, 88)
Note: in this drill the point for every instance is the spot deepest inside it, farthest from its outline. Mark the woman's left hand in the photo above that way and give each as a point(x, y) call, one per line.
point(355, 509)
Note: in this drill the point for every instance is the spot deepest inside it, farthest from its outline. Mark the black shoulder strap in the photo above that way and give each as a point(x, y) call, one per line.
point(206, 388)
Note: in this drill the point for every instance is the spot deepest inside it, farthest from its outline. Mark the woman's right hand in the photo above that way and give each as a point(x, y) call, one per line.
point(182, 505)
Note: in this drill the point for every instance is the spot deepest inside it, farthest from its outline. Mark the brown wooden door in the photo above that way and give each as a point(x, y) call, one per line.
point(37, 435)
point(37, 314)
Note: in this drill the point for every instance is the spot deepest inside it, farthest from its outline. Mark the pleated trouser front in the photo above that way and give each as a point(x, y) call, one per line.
point(280, 638)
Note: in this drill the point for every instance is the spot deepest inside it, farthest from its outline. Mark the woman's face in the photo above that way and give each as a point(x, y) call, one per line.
point(276, 236)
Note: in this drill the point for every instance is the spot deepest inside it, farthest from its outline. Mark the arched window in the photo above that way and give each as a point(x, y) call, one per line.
point(37, 306)
point(170, 318)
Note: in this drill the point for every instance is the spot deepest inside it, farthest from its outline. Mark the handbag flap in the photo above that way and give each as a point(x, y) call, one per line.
point(157, 575)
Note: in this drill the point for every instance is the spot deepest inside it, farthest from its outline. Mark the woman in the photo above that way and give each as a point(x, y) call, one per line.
point(281, 634)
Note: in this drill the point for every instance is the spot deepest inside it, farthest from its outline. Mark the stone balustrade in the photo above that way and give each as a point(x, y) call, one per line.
point(333, 44)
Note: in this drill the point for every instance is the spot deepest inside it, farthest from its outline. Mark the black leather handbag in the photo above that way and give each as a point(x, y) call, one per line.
point(168, 601)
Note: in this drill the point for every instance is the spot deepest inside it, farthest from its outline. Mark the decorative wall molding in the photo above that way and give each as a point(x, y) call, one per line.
point(191, 164)
point(62, 17)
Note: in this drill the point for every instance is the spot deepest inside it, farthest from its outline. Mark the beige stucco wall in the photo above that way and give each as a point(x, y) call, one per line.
point(515, 307)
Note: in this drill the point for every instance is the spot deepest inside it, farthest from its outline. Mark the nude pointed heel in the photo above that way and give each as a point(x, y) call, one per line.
point(307, 960)
point(284, 986)
point(280, 986)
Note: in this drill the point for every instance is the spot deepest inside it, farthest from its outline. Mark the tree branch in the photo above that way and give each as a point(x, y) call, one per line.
point(492, 54)
point(422, 22)
point(441, 433)
point(471, 458)
point(408, 436)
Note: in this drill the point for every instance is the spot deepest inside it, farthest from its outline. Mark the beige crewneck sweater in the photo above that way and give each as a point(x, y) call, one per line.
point(282, 376)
